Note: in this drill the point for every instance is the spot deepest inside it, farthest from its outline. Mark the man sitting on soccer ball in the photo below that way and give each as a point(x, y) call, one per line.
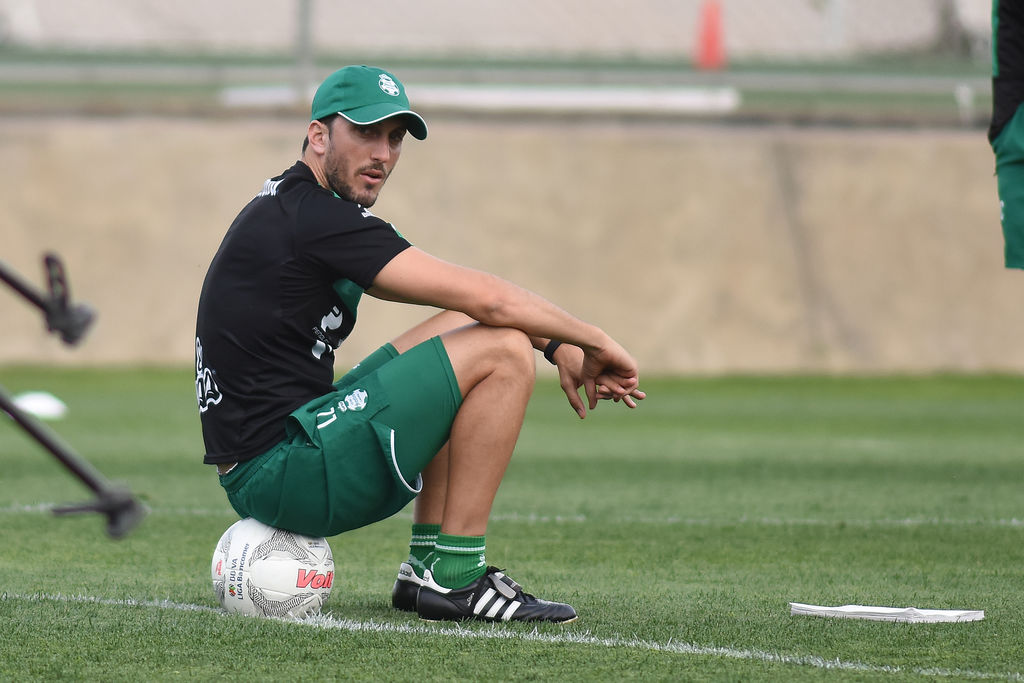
point(433, 415)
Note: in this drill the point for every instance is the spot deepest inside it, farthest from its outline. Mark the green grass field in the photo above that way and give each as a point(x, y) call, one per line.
point(679, 531)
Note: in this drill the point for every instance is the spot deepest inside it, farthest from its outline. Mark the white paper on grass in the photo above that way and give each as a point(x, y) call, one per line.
point(904, 614)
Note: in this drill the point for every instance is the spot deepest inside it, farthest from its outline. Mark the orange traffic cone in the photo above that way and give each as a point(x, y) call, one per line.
point(710, 47)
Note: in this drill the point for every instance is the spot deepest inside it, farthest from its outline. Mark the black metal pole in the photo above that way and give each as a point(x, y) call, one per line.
point(22, 287)
point(50, 442)
point(123, 512)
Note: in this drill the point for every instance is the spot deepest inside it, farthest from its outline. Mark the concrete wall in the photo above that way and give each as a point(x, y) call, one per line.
point(705, 249)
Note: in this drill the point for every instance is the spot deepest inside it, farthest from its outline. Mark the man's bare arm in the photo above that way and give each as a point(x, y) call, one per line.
point(414, 276)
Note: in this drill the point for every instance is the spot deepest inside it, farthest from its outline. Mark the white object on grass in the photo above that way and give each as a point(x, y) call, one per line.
point(41, 404)
point(910, 615)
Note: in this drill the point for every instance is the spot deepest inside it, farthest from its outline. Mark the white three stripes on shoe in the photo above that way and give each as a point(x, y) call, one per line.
point(491, 598)
point(487, 595)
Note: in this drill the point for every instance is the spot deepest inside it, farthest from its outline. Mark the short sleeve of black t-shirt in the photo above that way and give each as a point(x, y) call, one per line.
point(280, 296)
point(1007, 62)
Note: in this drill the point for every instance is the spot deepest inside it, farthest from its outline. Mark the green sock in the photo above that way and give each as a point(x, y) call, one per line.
point(422, 544)
point(458, 560)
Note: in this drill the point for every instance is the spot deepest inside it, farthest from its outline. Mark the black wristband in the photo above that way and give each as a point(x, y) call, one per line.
point(549, 351)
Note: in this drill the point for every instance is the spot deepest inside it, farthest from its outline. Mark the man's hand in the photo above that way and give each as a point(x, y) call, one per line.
point(610, 384)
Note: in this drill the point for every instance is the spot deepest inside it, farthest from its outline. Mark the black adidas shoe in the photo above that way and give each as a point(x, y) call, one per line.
point(403, 594)
point(492, 597)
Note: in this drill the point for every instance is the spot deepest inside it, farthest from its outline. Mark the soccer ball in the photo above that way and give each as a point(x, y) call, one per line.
point(263, 571)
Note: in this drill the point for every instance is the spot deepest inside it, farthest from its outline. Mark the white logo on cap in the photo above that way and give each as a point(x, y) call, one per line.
point(388, 85)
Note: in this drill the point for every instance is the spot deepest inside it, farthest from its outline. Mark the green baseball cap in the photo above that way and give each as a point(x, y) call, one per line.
point(365, 95)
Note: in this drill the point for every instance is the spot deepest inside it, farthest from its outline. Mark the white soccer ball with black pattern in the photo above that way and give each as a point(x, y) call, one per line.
point(263, 571)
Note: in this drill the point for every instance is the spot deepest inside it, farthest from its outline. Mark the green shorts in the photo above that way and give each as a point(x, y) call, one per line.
point(354, 456)
point(1009, 150)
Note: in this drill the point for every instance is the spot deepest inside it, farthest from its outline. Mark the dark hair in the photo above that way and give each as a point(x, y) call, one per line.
point(327, 121)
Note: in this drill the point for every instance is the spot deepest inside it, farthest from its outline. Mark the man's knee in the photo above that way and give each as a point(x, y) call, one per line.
point(510, 349)
point(481, 350)
point(521, 350)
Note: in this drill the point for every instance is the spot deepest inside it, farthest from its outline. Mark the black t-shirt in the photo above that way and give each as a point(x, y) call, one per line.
point(279, 297)
point(1007, 63)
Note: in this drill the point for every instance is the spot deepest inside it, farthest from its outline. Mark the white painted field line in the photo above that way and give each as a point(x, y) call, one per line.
point(795, 521)
point(497, 632)
point(535, 518)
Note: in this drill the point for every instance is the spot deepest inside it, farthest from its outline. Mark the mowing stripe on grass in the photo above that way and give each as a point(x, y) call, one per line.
point(533, 518)
point(497, 632)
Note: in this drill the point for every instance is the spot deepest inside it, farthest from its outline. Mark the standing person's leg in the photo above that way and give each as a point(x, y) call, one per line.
point(1009, 152)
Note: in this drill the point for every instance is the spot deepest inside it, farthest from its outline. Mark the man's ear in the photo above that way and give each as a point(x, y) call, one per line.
point(318, 135)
